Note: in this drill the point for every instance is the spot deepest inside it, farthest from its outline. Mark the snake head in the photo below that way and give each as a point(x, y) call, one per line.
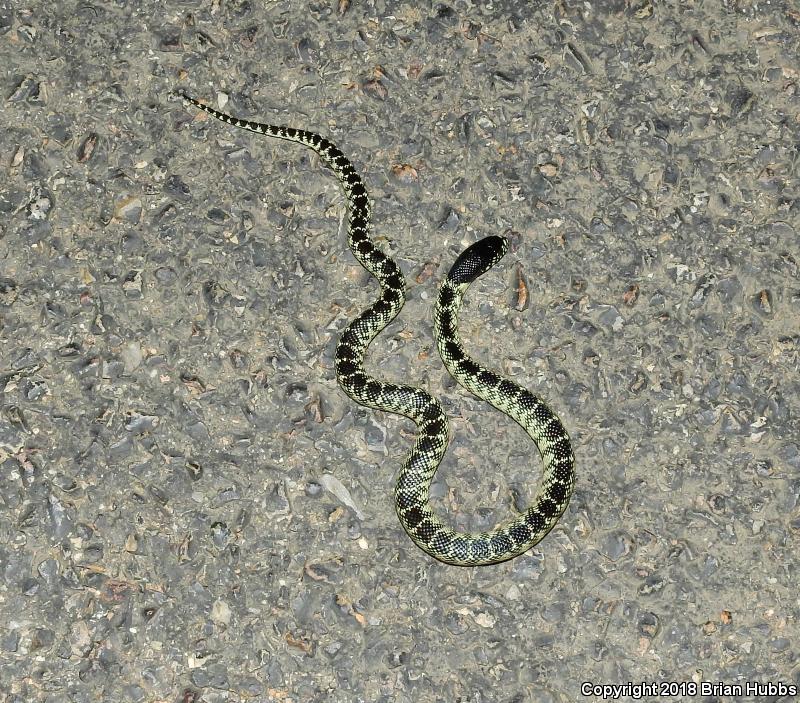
point(477, 259)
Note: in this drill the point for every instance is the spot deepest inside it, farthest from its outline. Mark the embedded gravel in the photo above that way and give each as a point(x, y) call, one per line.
point(192, 510)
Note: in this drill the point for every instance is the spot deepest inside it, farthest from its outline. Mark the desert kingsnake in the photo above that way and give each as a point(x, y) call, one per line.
point(413, 484)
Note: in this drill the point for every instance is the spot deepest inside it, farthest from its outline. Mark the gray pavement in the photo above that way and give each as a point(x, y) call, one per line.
point(192, 510)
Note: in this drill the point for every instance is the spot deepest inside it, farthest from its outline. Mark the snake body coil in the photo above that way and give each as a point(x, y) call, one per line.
point(417, 472)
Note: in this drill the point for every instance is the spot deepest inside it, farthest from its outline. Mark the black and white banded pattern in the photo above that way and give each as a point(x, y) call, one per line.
point(544, 428)
point(417, 472)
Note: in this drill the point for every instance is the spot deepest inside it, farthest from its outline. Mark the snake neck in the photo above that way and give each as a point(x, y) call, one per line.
point(445, 323)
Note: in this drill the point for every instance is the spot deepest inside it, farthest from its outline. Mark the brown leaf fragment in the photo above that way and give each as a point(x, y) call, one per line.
point(316, 572)
point(185, 550)
point(521, 290)
point(375, 88)
point(314, 406)
point(86, 149)
point(346, 605)
point(115, 591)
point(630, 296)
point(190, 696)
point(642, 9)
point(764, 302)
point(415, 69)
point(299, 642)
point(193, 383)
point(709, 628)
point(344, 6)
point(427, 271)
point(336, 514)
point(405, 173)
point(548, 170)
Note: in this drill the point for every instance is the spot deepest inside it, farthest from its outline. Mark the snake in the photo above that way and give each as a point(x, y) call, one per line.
point(412, 489)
